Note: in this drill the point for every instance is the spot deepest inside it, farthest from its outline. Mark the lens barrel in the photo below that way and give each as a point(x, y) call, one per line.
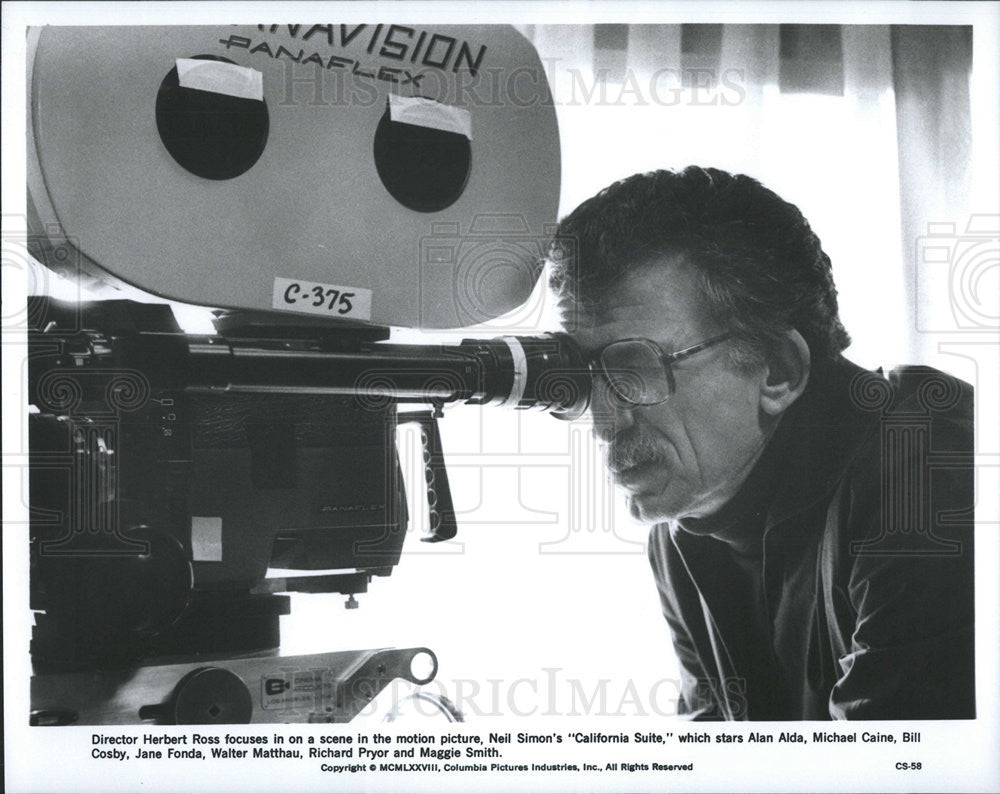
point(522, 372)
point(545, 372)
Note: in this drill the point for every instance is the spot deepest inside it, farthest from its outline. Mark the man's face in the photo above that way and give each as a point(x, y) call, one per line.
point(688, 456)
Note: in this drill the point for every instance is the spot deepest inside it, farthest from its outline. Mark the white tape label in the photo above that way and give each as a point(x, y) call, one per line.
point(220, 78)
point(206, 538)
point(428, 113)
point(328, 300)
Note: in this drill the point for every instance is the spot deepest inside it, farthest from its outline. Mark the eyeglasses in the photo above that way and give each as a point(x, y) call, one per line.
point(639, 372)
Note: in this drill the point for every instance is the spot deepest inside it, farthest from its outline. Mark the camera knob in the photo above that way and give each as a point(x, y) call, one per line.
point(206, 696)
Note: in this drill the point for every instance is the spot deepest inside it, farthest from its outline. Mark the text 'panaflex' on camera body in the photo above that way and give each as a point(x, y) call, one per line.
point(314, 184)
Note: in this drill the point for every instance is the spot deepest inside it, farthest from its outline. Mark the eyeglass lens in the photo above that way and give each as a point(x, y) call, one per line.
point(635, 372)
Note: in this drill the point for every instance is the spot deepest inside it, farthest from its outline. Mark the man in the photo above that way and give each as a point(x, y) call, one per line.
point(812, 540)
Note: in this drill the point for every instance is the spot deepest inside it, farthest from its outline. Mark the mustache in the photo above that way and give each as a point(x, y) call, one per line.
point(632, 449)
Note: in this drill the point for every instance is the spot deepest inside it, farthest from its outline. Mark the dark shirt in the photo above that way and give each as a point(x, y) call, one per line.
point(737, 560)
point(838, 583)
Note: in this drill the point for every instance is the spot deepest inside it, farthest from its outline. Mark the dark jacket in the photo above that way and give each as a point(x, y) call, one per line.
point(865, 563)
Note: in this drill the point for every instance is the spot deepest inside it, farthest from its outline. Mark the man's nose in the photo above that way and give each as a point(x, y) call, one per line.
point(609, 416)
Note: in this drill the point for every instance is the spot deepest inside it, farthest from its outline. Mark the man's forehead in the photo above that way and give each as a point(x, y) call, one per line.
point(658, 299)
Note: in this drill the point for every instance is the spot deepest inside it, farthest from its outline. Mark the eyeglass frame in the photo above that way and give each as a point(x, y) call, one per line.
point(598, 367)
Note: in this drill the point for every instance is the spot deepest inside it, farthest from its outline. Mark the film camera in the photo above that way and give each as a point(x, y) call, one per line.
point(297, 180)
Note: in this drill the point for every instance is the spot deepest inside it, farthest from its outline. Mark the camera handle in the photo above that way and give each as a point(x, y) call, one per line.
point(441, 509)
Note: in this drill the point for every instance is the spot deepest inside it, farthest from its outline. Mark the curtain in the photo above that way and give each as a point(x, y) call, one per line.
point(865, 128)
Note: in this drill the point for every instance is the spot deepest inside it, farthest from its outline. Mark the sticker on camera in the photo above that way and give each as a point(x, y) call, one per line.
point(328, 300)
point(301, 689)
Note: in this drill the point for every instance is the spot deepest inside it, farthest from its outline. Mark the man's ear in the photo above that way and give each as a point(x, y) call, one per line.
point(786, 374)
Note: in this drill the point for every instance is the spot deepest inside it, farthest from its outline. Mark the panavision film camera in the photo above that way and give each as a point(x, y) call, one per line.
point(315, 185)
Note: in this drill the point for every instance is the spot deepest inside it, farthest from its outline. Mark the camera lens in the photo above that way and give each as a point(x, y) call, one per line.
point(533, 372)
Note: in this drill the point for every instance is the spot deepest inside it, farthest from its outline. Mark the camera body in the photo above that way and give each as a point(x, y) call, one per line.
point(313, 185)
point(166, 507)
